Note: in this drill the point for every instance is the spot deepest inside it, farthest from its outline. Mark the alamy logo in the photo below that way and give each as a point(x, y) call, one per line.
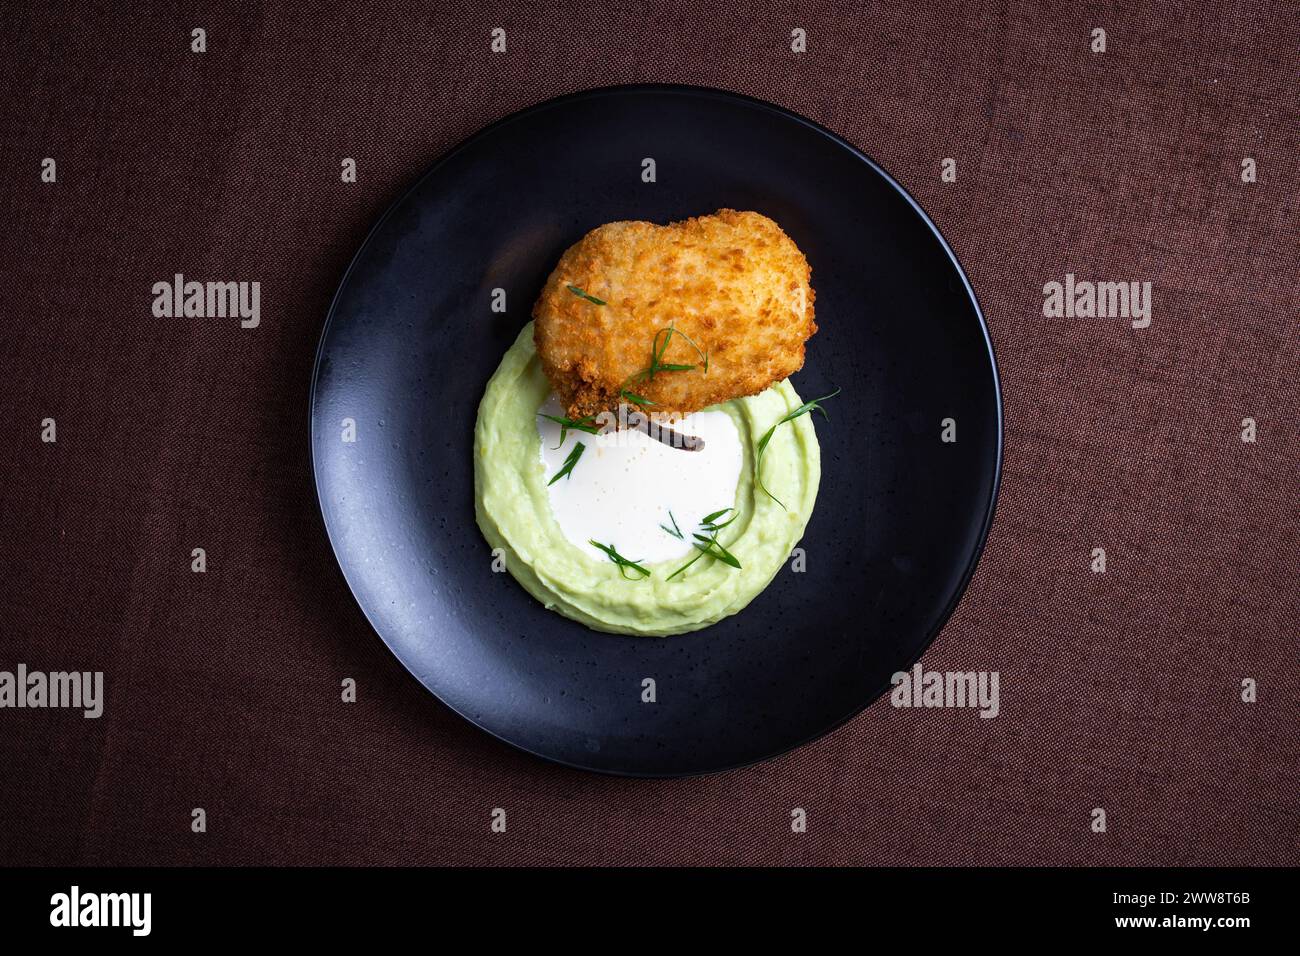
point(75, 908)
point(82, 690)
point(919, 688)
point(190, 299)
point(1101, 300)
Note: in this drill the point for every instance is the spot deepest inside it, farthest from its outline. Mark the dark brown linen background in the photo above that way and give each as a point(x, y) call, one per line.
point(1118, 690)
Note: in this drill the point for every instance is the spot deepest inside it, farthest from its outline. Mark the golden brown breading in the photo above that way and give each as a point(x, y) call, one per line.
point(733, 282)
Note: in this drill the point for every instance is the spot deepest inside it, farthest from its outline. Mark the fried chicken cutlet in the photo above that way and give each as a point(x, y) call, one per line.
point(732, 287)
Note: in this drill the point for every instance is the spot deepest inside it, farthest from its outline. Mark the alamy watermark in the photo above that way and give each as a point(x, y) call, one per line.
point(75, 908)
point(1102, 300)
point(920, 688)
point(617, 427)
point(79, 690)
point(181, 298)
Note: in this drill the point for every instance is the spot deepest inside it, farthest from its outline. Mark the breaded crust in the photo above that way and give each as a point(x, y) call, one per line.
point(733, 282)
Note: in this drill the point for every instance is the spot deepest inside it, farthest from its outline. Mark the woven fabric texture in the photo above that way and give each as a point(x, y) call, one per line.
point(1120, 691)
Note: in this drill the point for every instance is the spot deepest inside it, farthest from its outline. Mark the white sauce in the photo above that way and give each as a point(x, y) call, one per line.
point(626, 483)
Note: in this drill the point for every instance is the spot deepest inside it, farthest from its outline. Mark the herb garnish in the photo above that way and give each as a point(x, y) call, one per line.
point(675, 531)
point(657, 352)
point(803, 409)
point(581, 424)
point(710, 522)
point(709, 544)
point(657, 364)
point(622, 562)
point(583, 295)
point(569, 462)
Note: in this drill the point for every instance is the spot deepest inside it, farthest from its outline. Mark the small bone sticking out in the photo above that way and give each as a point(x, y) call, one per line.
point(662, 433)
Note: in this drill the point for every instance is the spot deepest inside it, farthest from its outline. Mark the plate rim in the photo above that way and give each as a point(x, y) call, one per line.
point(678, 89)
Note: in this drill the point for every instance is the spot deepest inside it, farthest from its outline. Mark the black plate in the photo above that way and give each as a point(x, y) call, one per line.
point(901, 517)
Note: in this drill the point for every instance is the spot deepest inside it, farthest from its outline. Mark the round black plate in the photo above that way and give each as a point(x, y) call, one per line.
point(901, 517)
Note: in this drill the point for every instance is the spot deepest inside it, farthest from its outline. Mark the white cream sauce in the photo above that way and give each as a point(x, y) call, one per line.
point(626, 483)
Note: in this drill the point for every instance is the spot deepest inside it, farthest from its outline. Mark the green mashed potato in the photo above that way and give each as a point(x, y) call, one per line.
point(513, 509)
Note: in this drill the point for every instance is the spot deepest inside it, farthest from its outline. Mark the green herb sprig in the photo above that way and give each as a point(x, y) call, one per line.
point(583, 424)
point(675, 531)
point(624, 564)
point(583, 295)
point(569, 462)
point(803, 409)
point(657, 364)
point(657, 352)
point(710, 522)
point(708, 544)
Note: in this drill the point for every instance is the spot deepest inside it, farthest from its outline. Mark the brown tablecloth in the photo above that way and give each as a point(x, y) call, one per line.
point(1119, 691)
